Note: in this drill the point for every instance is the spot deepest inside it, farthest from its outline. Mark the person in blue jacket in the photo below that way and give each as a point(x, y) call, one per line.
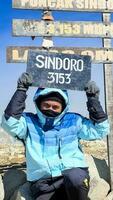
point(56, 167)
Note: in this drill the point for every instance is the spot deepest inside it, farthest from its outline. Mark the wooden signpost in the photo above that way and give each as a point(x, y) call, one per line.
point(70, 5)
point(64, 71)
point(98, 55)
point(23, 27)
point(108, 77)
point(46, 28)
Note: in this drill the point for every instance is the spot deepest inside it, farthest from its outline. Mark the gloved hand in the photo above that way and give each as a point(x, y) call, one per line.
point(96, 112)
point(16, 105)
point(92, 90)
point(24, 81)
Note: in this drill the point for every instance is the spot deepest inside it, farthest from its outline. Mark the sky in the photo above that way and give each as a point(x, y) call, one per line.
point(9, 73)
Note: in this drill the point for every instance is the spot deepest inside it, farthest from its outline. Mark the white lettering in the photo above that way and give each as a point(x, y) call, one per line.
point(34, 3)
point(57, 63)
point(80, 65)
point(69, 4)
point(76, 29)
point(102, 4)
point(92, 4)
point(51, 77)
point(68, 78)
point(60, 4)
point(66, 63)
point(88, 29)
point(86, 4)
point(94, 29)
point(73, 64)
point(51, 62)
point(109, 4)
point(104, 55)
point(40, 63)
point(42, 3)
point(51, 3)
point(17, 56)
point(60, 78)
point(23, 3)
point(79, 4)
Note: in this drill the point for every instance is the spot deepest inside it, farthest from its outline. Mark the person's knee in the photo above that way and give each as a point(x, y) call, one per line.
point(75, 177)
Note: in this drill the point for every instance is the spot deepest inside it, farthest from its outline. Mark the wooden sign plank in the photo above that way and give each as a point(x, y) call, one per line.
point(23, 27)
point(69, 5)
point(99, 55)
point(64, 71)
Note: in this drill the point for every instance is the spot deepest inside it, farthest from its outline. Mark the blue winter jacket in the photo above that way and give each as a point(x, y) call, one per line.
point(52, 144)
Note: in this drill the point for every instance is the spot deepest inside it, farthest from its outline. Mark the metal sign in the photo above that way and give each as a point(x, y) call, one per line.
point(70, 5)
point(23, 27)
point(64, 71)
point(98, 55)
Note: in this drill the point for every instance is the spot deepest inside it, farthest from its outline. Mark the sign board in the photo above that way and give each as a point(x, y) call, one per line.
point(70, 5)
point(23, 27)
point(98, 55)
point(64, 71)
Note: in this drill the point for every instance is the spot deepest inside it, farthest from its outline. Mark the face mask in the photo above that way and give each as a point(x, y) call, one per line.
point(50, 113)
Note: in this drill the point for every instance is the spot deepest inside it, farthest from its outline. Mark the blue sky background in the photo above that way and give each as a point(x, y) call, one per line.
point(9, 73)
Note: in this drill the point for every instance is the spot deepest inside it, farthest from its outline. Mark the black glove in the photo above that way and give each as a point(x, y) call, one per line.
point(92, 90)
point(24, 82)
point(96, 112)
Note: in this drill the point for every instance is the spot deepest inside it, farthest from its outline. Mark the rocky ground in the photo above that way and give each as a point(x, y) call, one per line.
point(15, 152)
point(96, 148)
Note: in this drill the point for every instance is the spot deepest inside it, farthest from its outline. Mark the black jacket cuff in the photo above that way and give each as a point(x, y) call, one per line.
point(95, 109)
point(16, 105)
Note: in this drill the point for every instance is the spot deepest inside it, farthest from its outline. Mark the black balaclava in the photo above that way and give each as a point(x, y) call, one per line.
point(53, 96)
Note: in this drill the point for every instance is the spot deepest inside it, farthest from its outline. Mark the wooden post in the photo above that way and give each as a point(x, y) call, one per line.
point(47, 41)
point(108, 77)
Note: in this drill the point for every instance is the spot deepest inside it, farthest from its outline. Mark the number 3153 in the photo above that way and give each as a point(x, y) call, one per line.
point(60, 78)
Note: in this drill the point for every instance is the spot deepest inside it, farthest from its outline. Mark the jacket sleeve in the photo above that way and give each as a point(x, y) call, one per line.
point(13, 120)
point(90, 131)
point(15, 127)
point(16, 105)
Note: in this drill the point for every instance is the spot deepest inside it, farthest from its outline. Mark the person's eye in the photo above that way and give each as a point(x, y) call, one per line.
point(46, 105)
point(55, 107)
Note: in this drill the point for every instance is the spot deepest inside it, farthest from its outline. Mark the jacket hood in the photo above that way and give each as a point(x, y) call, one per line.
point(45, 91)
